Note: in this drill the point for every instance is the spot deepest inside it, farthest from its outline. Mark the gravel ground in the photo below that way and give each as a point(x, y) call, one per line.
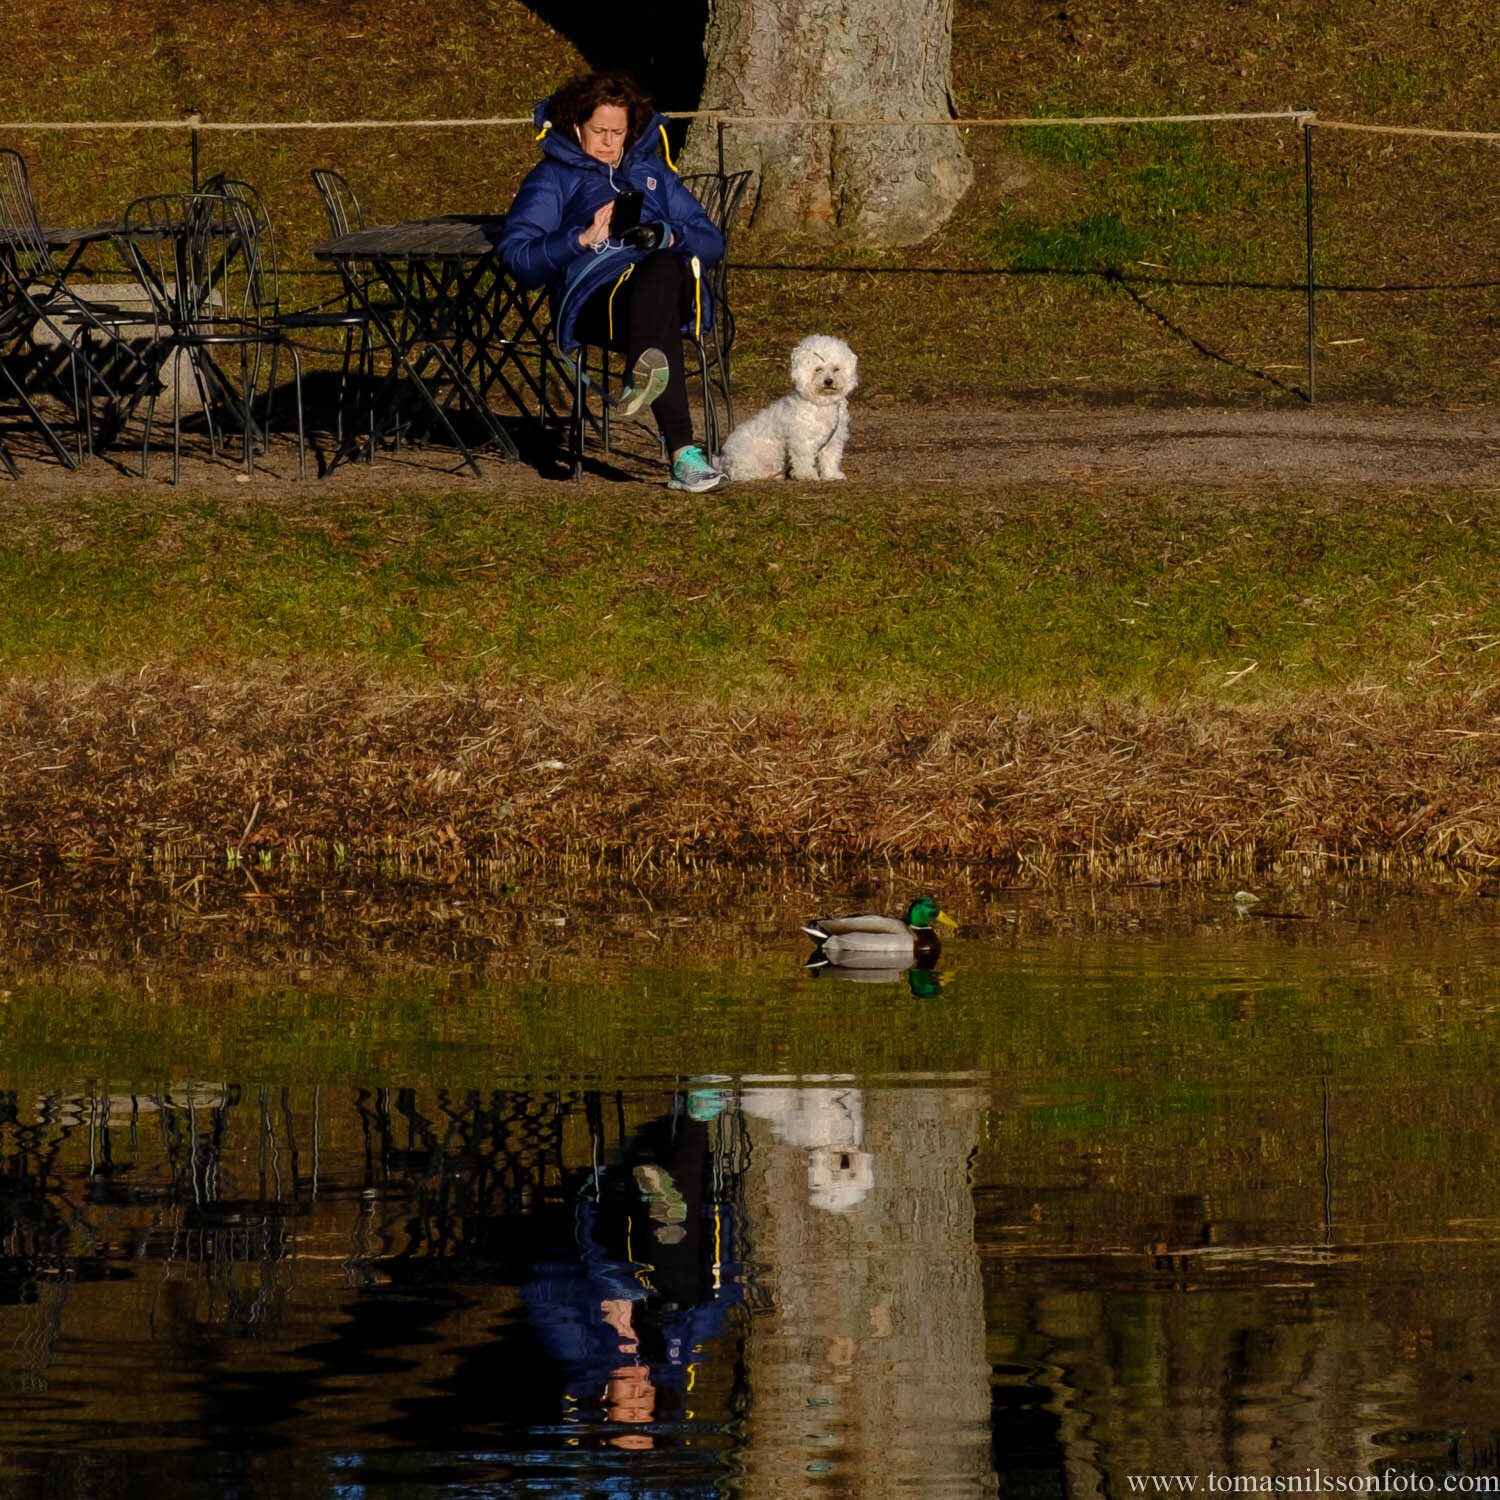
point(896, 445)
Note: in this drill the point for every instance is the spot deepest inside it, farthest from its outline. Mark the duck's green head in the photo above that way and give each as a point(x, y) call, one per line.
point(924, 911)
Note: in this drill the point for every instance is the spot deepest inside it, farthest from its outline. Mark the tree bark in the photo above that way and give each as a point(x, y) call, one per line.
point(836, 60)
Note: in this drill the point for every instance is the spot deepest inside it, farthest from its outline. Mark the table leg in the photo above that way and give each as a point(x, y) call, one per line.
point(448, 299)
point(400, 344)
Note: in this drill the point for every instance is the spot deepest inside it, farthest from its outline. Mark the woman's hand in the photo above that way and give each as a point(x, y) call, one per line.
point(598, 231)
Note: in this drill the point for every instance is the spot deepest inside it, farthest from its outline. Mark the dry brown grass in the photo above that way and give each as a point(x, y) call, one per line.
point(288, 774)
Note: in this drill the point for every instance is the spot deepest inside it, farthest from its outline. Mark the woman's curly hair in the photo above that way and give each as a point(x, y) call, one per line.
point(577, 99)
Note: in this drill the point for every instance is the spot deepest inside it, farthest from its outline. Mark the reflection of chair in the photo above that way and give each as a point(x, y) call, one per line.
point(51, 339)
point(720, 197)
point(212, 283)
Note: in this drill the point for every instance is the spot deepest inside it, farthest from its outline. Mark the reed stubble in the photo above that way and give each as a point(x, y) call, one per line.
point(294, 773)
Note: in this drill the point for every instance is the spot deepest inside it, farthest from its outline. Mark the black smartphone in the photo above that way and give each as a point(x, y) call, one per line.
point(627, 212)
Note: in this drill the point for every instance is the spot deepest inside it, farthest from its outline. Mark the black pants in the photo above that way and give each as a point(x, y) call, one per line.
point(650, 309)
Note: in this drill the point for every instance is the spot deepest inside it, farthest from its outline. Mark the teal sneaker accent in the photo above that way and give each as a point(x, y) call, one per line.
point(692, 471)
point(705, 1104)
point(647, 381)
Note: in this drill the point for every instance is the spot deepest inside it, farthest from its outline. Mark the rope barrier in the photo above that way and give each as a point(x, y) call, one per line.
point(1418, 130)
point(1022, 122)
point(192, 123)
point(1301, 117)
point(197, 122)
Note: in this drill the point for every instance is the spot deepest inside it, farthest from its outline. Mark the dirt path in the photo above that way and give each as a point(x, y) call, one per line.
point(970, 445)
point(1320, 446)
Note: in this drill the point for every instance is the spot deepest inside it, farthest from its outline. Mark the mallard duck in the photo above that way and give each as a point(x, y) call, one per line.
point(866, 940)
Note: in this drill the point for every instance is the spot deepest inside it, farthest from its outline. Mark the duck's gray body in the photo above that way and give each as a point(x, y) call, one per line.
point(866, 941)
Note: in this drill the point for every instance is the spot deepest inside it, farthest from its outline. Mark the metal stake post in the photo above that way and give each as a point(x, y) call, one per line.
point(1312, 311)
point(194, 120)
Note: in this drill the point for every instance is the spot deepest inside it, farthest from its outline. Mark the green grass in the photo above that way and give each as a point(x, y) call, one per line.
point(1032, 597)
point(1098, 244)
point(1150, 198)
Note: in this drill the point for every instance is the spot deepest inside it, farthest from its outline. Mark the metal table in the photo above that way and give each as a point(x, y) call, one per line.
point(76, 241)
point(73, 238)
point(457, 328)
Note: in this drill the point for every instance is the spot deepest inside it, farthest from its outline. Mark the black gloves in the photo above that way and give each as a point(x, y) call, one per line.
point(644, 236)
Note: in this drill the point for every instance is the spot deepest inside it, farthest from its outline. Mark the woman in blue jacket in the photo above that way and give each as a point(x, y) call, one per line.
point(639, 290)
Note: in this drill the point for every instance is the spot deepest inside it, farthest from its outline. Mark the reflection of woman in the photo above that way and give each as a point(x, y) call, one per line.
point(637, 289)
point(628, 1312)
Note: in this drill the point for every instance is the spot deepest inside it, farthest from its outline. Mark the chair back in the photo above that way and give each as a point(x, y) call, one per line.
point(339, 201)
point(158, 235)
point(198, 257)
point(23, 247)
point(345, 215)
point(256, 243)
point(720, 194)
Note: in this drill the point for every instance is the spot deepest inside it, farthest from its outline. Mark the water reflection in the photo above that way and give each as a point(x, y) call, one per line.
point(1223, 1212)
point(632, 1307)
point(922, 980)
point(827, 1123)
point(739, 1284)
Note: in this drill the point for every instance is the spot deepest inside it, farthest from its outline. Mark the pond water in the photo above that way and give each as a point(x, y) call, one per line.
point(1210, 1205)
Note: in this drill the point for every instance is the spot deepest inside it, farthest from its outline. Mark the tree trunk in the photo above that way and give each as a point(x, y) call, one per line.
point(836, 60)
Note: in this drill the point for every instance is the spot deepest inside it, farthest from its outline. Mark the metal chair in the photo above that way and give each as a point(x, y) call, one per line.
point(340, 203)
point(47, 330)
point(342, 208)
point(212, 280)
point(16, 357)
point(720, 196)
point(340, 315)
point(6, 461)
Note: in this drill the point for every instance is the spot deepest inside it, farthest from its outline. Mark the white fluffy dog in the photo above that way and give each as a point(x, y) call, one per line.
point(802, 434)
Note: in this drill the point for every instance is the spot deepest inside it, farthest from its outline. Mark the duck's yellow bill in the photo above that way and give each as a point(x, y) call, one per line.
point(946, 920)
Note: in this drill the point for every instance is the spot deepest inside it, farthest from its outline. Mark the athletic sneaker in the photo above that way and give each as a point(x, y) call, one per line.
point(692, 471)
point(648, 380)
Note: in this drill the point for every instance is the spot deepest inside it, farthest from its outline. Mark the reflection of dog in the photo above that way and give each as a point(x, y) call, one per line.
point(803, 434)
point(828, 1123)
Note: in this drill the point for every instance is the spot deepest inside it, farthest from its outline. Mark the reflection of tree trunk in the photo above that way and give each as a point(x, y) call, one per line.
point(869, 1371)
point(838, 60)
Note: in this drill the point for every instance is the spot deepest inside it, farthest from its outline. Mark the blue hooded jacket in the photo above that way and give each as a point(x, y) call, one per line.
point(557, 202)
